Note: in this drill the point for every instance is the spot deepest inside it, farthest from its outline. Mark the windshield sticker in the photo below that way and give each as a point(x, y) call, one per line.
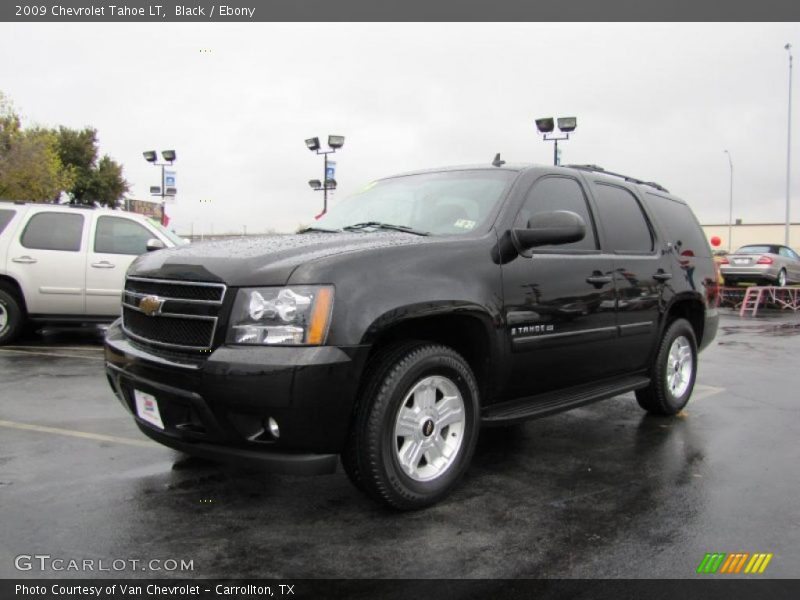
point(464, 224)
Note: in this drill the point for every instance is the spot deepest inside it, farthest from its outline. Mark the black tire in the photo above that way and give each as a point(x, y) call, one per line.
point(728, 282)
point(371, 456)
point(781, 280)
point(12, 318)
point(660, 396)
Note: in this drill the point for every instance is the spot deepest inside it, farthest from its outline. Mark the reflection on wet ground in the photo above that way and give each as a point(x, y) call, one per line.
point(601, 491)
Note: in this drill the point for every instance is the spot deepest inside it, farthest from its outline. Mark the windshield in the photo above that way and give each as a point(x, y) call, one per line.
point(757, 250)
point(449, 202)
point(170, 235)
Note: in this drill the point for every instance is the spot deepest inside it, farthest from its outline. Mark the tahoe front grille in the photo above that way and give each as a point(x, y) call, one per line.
point(173, 314)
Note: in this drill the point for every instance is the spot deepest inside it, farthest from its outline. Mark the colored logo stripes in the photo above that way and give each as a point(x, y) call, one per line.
point(737, 562)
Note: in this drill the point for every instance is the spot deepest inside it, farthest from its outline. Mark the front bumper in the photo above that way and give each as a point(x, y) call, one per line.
point(217, 406)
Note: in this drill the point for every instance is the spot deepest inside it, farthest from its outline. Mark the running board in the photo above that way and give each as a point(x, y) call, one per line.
point(542, 405)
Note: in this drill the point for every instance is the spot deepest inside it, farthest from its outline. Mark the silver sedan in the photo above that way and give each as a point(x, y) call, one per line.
point(765, 264)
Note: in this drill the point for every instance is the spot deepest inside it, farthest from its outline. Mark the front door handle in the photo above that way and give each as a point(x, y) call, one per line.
point(662, 276)
point(103, 264)
point(25, 260)
point(598, 279)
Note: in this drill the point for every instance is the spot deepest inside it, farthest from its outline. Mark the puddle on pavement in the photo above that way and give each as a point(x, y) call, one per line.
point(783, 329)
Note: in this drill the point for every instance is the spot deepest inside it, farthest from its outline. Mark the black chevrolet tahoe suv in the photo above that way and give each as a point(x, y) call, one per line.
point(414, 313)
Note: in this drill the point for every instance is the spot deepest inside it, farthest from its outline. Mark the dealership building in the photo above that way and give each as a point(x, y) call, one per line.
point(743, 234)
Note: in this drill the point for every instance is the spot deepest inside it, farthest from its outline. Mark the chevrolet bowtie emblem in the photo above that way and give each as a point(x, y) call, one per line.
point(151, 305)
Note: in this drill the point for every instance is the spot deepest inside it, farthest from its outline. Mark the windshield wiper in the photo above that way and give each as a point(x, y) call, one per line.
point(379, 225)
point(319, 230)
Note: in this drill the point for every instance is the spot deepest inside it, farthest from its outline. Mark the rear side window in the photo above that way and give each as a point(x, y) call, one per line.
point(559, 193)
point(623, 220)
point(116, 235)
point(680, 224)
point(5, 218)
point(53, 231)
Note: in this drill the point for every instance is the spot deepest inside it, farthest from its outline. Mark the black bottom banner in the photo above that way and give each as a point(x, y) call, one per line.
point(400, 589)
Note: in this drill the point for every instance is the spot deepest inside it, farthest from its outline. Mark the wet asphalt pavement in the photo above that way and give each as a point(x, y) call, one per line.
point(602, 491)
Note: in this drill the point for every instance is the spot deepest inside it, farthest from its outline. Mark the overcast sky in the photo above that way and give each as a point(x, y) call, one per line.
point(657, 101)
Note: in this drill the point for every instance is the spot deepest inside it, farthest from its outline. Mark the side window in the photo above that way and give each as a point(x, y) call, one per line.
point(117, 235)
point(5, 218)
point(53, 231)
point(623, 220)
point(793, 254)
point(559, 193)
point(680, 224)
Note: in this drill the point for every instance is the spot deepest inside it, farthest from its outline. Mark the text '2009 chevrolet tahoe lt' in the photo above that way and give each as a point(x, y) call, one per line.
point(414, 313)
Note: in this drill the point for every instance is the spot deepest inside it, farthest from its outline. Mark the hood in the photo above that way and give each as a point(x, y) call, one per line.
point(260, 260)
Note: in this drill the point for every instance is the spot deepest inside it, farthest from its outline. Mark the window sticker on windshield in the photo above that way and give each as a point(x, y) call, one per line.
point(464, 224)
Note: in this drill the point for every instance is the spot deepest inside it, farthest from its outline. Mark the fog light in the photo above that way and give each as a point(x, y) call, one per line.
point(273, 428)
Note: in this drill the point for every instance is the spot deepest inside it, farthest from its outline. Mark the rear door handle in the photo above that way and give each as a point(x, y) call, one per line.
point(662, 276)
point(103, 264)
point(25, 260)
point(598, 279)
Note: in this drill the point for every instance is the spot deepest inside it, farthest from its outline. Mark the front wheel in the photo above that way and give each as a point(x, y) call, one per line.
point(415, 427)
point(673, 372)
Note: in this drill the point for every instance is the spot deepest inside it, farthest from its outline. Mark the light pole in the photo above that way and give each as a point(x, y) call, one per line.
point(565, 124)
point(335, 142)
point(730, 207)
point(788, 48)
point(169, 157)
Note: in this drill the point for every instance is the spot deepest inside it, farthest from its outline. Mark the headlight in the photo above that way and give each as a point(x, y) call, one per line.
point(297, 315)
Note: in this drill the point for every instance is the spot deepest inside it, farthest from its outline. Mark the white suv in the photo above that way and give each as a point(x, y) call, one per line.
point(67, 264)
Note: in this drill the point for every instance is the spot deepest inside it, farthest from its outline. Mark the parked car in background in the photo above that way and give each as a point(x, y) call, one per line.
point(65, 264)
point(766, 264)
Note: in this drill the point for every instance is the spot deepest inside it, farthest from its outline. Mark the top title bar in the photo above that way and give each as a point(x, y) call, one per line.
point(392, 10)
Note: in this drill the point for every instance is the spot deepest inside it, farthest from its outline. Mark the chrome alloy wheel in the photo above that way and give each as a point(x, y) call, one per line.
point(680, 365)
point(3, 317)
point(429, 428)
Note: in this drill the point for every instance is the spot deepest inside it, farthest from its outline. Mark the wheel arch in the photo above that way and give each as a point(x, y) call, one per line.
point(468, 332)
point(690, 308)
point(11, 285)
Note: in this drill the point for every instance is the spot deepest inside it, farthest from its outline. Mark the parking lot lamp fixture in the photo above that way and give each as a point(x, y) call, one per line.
point(335, 142)
point(169, 157)
point(566, 125)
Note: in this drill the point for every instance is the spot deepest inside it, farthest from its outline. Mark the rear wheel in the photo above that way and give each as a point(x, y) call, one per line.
point(415, 427)
point(673, 372)
point(781, 281)
point(728, 282)
point(11, 317)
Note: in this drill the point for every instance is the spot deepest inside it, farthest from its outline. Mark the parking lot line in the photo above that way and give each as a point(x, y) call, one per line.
point(702, 392)
point(78, 434)
point(31, 353)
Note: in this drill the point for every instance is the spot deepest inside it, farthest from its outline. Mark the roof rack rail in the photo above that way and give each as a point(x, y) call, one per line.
point(76, 205)
point(596, 169)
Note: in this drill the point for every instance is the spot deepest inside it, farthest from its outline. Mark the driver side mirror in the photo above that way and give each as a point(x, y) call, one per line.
point(549, 228)
point(155, 244)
